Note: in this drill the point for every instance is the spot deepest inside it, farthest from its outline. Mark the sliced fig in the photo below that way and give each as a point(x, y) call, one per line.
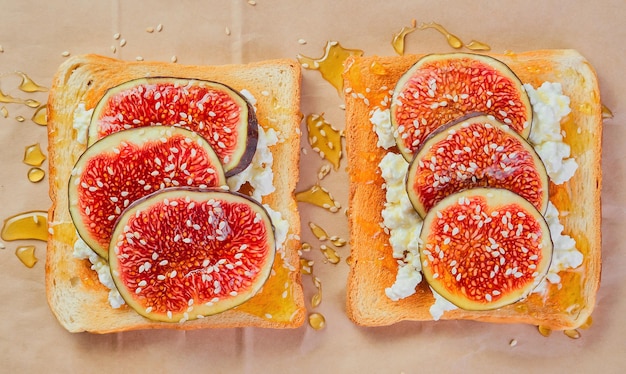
point(180, 254)
point(217, 112)
point(127, 165)
point(476, 151)
point(484, 248)
point(439, 88)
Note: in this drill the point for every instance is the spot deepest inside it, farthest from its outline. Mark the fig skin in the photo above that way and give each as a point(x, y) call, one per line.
point(115, 185)
point(235, 158)
point(439, 88)
point(470, 255)
point(493, 167)
point(197, 283)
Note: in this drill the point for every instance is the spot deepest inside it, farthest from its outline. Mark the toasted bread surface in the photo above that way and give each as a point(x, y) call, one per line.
point(76, 297)
point(373, 268)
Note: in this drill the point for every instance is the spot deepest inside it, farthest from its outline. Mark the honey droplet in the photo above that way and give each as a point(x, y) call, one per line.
point(324, 138)
point(544, 330)
point(36, 175)
point(40, 116)
point(574, 334)
point(316, 299)
point(337, 241)
point(398, 39)
point(330, 65)
point(32, 103)
point(377, 68)
point(330, 254)
point(28, 85)
point(317, 321)
point(4, 98)
point(587, 323)
point(26, 254)
point(33, 155)
point(306, 266)
point(453, 40)
point(319, 232)
point(4, 111)
point(20, 119)
point(28, 225)
point(475, 45)
point(521, 308)
point(306, 247)
point(606, 112)
point(324, 171)
point(319, 196)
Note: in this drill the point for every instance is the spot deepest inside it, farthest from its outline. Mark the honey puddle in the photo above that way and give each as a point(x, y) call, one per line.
point(324, 139)
point(317, 321)
point(319, 196)
point(26, 254)
point(36, 175)
point(28, 225)
point(33, 155)
point(330, 65)
point(319, 232)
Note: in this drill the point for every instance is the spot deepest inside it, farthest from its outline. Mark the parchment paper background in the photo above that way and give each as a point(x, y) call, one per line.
point(33, 37)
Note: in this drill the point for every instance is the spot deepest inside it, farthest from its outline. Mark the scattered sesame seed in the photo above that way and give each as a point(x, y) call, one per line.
point(252, 2)
point(122, 42)
point(513, 342)
point(174, 59)
point(159, 27)
point(227, 31)
point(139, 58)
point(150, 29)
point(301, 41)
point(1, 49)
point(65, 54)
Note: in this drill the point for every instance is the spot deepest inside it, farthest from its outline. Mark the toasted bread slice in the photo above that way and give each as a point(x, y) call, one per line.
point(566, 305)
point(76, 296)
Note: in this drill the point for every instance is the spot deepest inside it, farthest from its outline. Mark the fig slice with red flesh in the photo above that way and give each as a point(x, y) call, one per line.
point(220, 114)
point(180, 253)
point(130, 164)
point(439, 88)
point(475, 151)
point(484, 248)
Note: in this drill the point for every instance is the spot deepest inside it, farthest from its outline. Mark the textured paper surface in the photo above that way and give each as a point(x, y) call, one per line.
point(33, 37)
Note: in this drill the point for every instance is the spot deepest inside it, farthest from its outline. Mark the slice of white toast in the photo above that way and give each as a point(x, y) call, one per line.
point(76, 296)
point(564, 305)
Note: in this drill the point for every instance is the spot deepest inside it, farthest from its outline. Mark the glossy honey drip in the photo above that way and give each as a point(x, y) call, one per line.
point(544, 330)
point(324, 139)
point(331, 255)
point(377, 68)
point(337, 241)
point(475, 45)
point(40, 116)
point(33, 155)
point(306, 266)
point(4, 111)
point(317, 321)
point(4, 98)
point(316, 299)
point(587, 324)
point(28, 225)
point(32, 103)
point(306, 247)
point(20, 119)
point(330, 65)
point(319, 196)
point(28, 85)
point(453, 40)
point(318, 231)
point(573, 333)
point(397, 42)
point(36, 175)
point(26, 254)
point(606, 112)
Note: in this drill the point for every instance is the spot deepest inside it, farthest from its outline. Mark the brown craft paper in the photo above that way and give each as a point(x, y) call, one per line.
point(35, 36)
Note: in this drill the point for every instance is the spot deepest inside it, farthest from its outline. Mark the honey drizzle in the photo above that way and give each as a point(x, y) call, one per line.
point(324, 139)
point(331, 255)
point(40, 116)
point(28, 85)
point(475, 45)
point(36, 175)
point(33, 155)
point(317, 321)
point(316, 299)
point(26, 254)
point(318, 231)
point(319, 196)
point(8, 99)
point(330, 65)
point(606, 112)
point(28, 225)
point(397, 42)
point(453, 40)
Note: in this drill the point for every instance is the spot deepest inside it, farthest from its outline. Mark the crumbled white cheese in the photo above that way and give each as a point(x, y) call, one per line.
point(404, 225)
point(440, 305)
point(82, 117)
point(382, 126)
point(250, 97)
point(550, 106)
point(83, 252)
point(259, 173)
point(281, 228)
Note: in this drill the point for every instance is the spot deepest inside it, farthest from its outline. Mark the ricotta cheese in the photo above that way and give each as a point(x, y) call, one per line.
point(82, 117)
